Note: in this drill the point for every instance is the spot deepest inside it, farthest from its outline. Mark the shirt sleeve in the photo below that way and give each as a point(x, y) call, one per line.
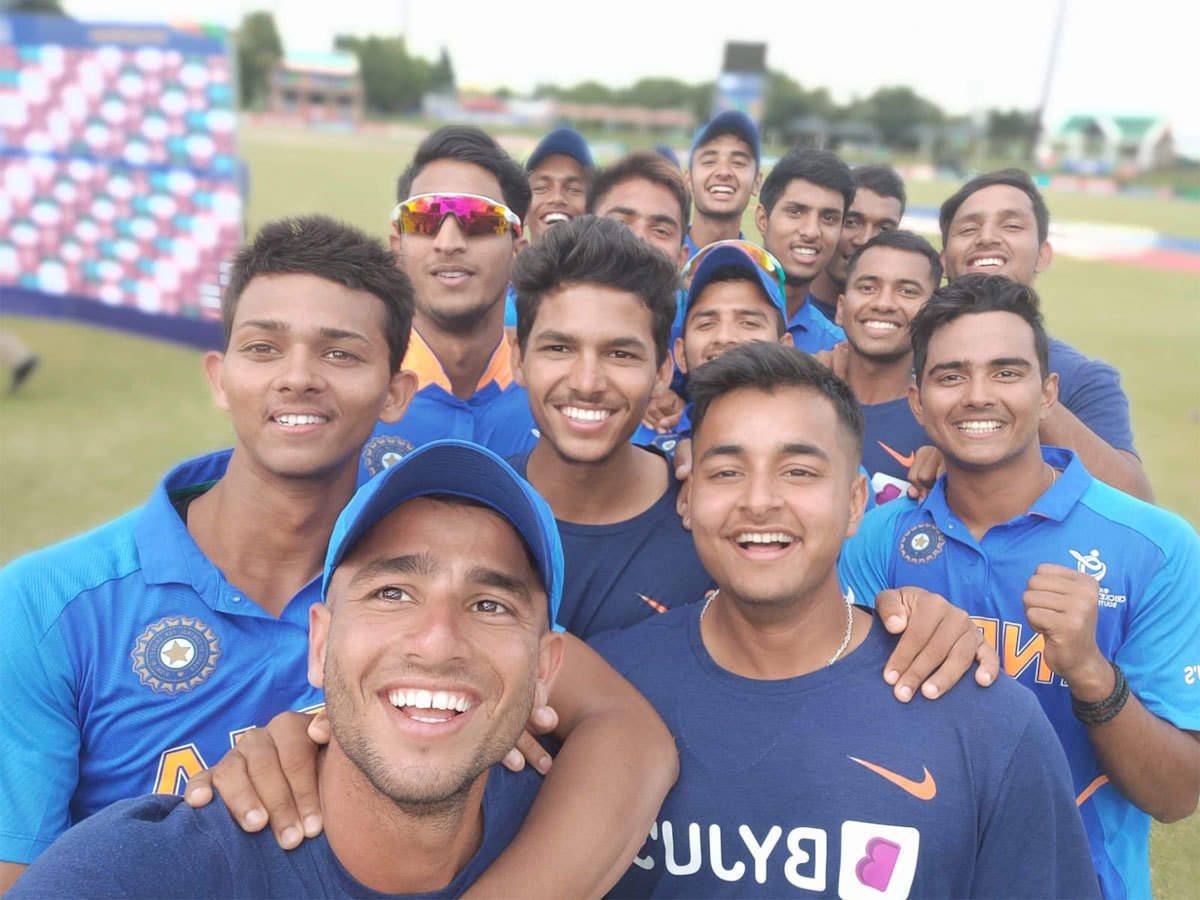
point(1032, 842)
point(1095, 397)
point(134, 848)
point(1160, 653)
point(39, 730)
point(864, 564)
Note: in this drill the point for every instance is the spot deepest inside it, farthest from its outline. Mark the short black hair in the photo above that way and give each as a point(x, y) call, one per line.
point(596, 250)
point(900, 240)
point(324, 247)
point(739, 273)
point(1017, 178)
point(974, 294)
point(468, 144)
point(649, 166)
point(883, 180)
point(821, 167)
point(769, 366)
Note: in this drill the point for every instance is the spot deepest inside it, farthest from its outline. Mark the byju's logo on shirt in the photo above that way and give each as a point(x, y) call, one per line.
point(175, 654)
point(878, 861)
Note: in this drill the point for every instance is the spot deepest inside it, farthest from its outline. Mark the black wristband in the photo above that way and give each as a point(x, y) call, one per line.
point(1102, 711)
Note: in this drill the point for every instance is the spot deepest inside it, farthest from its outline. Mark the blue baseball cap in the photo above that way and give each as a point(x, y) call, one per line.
point(567, 141)
point(461, 469)
point(738, 254)
point(732, 121)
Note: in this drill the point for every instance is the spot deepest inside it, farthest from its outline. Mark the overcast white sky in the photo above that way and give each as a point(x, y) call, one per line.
point(1115, 56)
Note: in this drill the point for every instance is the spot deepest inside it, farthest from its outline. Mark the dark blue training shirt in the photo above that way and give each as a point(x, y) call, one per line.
point(157, 846)
point(825, 784)
point(619, 574)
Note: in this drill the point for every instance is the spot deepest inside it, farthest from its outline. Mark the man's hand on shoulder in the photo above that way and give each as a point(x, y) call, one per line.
point(938, 644)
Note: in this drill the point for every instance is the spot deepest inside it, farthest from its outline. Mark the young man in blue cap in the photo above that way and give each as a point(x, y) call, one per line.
point(723, 174)
point(560, 171)
point(1088, 594)
point(440, 587)
point(735, 294)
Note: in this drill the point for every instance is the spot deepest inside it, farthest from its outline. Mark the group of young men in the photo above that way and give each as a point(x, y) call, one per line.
point(560, 439)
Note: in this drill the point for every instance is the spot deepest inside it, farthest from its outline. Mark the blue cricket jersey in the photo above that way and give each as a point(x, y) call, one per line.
point(497, 415)
point(628, 571)
point(811, 331)
point(129, 663)
point(158, 846)
point(1147, 565)
point(825, 784)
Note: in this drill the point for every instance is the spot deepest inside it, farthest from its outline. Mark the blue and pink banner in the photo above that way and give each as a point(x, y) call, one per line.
point(120, 185)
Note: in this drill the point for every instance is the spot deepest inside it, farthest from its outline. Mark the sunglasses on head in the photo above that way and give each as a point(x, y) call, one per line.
point(476, 215)
point(753, 252)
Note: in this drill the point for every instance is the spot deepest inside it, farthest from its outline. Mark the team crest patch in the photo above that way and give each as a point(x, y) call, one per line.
point(921, 543)
point(385, 451)
point(175, 654)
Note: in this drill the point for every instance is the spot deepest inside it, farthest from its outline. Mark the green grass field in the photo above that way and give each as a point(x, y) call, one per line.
point(95, 427)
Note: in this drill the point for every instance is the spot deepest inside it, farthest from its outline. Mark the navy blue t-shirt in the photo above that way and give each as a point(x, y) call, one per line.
point(622, 573)
point(825, 783)
point(157, 846)
point(1091, 389)
point(890, 441)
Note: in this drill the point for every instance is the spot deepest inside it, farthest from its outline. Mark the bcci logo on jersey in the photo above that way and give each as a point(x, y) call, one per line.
point(1091, 564)
point(921, 543)
point(384, 451)
point(175, 654)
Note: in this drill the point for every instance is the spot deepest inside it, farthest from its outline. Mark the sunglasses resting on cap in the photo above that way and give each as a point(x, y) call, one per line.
point(477, 215)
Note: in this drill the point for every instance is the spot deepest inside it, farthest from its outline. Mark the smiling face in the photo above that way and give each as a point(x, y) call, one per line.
point(726, 313)
point(432, 648)
point(590, 365)
point(774, 491)
point(869, 214)
point(994, 232)
point(652, 213)
point(803, 228)
point(559, 192)
point(723, 176)
point(982, 397)
point(886, 289)
point(457, 280)
point(306, 375)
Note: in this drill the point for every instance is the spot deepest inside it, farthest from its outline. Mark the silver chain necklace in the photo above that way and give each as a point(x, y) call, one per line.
point(845, 638)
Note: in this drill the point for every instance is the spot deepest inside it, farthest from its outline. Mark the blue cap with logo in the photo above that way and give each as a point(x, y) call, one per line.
point(461, 469)
point(566, 141)
point(737, 254)
point(731, 121)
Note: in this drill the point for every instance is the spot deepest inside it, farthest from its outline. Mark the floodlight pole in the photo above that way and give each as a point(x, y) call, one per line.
point(1047, 80)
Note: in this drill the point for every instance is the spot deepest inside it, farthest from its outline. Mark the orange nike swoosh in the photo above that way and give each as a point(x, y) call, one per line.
point(905, 461)
point(922, 790)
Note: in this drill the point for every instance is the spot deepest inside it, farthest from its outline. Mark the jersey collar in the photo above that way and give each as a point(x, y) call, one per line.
point(1056, 502)
point(165, 548)
point(420, 359)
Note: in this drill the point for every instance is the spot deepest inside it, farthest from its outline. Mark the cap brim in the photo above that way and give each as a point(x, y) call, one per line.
point(460, 469)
